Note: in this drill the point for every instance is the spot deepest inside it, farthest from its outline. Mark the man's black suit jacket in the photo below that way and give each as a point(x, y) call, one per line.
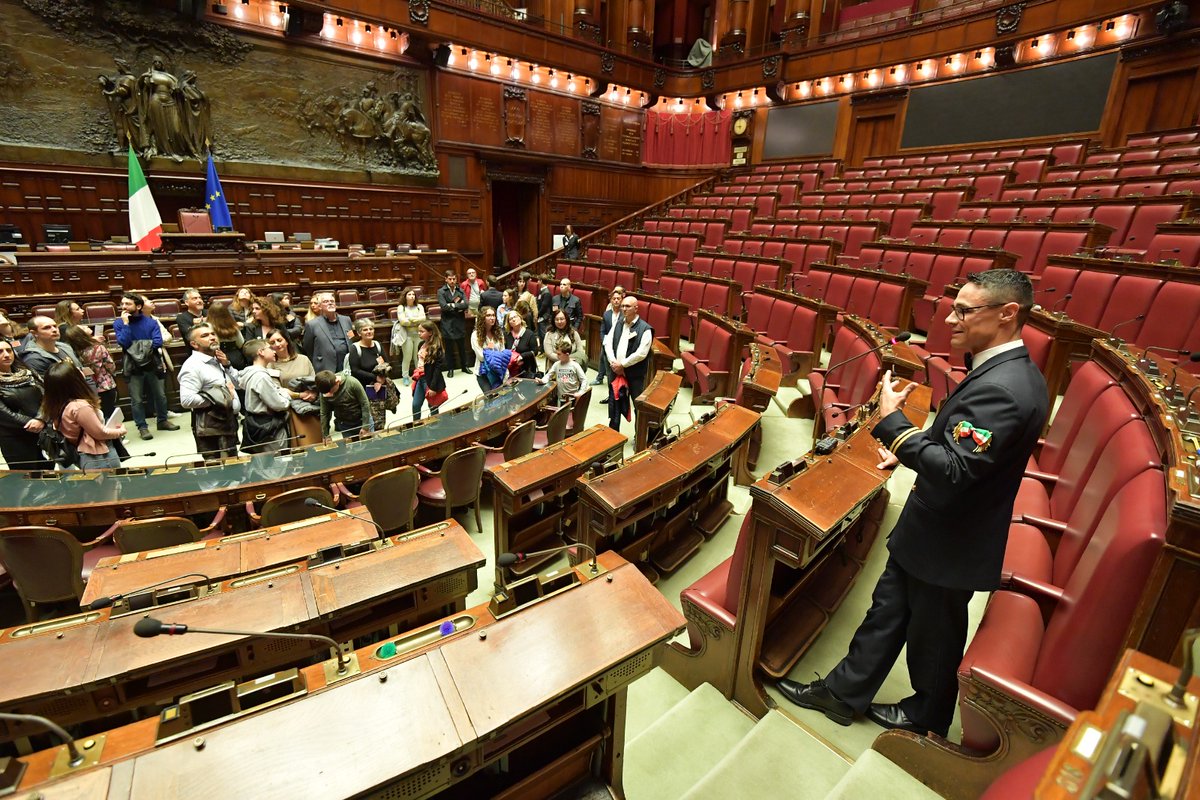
point(954, 527)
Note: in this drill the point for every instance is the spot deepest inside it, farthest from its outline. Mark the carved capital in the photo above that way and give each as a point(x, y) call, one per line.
point(770, 66)
point(589, 108)
point(514, 93)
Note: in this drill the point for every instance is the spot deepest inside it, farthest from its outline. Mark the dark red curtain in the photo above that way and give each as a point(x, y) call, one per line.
point(687, 139)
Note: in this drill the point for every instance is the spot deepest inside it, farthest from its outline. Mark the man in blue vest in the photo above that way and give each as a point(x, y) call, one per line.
point(627, 347)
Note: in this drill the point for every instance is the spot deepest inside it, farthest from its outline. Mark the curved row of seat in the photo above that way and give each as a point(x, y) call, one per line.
point(1088, 525)
point(1069, 151)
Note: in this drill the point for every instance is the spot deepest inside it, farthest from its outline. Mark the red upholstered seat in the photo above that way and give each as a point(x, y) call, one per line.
point(1062, 665)
point(862, 294)
point(837, 292)
point(717, 592)
point(1109, 412)
point(1132, 296)
point(1088, 382)
point(1173, 318)
point(1089, 297)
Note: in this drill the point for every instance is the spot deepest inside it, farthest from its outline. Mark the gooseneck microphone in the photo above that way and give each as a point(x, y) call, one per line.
point(1112, 336)
point(1061, 301)
point(315, 503)
point(150, 627)
point(903, 336)
point(108, 600)
point(508, 559)
point(75, 758)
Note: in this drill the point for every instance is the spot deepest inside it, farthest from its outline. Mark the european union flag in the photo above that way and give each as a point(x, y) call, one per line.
point(214, 200)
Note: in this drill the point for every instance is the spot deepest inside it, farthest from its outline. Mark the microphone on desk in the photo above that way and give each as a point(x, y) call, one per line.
point(150, 627)
point(1158, 255)
point(903, 336)
point(1175, 698)
point(1113, 339)
point(108, 600)
point(409, 417)
point(1054, 308)
point(312, 502)
point(508, 559)
point(75, 758)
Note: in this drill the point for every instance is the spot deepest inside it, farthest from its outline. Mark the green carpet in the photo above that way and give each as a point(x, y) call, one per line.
point(874, 776)
point(650, 697)
point(777, 759)
point(669, 756)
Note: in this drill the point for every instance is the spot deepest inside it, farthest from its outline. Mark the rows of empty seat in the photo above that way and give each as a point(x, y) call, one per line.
point(885, 299)
point(701, 292)
point(850, 235)
point(709, 368)
point(790, 324)
point(1031, 243)
point(894, 220)
point(603, 275)
point(1132, 220)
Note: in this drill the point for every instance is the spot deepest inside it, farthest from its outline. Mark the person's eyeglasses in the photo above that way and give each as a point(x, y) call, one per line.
point(962, 311)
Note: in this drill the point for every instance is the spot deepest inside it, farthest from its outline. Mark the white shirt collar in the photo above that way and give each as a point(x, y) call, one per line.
point(992, 352)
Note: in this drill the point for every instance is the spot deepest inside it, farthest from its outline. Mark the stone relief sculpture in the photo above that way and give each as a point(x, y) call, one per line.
point(121, 94)
point(157, 113)
point(390, 129)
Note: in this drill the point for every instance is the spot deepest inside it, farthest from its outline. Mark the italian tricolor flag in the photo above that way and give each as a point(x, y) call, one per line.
point(145, 225)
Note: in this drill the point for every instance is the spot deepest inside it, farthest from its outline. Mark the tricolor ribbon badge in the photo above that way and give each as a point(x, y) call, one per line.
point(981, 437)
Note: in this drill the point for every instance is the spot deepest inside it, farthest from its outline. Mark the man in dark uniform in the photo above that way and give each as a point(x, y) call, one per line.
point(949, 541)
point(453, 303)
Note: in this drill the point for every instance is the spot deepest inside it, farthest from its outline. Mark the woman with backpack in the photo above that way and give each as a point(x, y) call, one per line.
point(73, 408)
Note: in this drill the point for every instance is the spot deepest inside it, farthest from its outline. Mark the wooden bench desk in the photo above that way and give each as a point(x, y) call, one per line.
point(542, 691)
point(89, 666)
point(663, 503)
point(534, 497)
point(653, 406)
point(229, 556)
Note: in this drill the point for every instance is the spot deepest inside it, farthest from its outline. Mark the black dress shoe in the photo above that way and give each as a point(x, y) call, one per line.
point(892, 717)
point(816, 695)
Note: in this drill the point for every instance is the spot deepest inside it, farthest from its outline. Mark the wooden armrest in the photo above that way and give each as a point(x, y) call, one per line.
point(1044, 594)
point(1044, 477)
point(217, 519)
point(1035, 701)
point(1051, 525)
point(254, 516)
point(340, 490)
point(424, 470)
point(104, 537)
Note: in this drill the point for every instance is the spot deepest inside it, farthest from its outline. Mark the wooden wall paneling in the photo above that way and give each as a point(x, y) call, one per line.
point(1155, 87)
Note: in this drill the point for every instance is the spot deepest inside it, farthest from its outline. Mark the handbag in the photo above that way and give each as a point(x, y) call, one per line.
point(435, 399)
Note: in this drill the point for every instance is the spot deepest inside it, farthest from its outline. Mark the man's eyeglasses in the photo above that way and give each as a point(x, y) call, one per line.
point(962, 311)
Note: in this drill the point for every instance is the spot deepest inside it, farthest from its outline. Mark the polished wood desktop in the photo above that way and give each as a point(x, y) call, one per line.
point(540, 695)
point(90, 666)
point(659, 506)
point(75, 500)
point(227, 556)
point(653, 405)
point(534, 497)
